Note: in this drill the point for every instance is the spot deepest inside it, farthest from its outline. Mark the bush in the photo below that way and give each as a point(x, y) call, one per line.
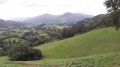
point(3, 49)
point(24, 53)
point(3, 53)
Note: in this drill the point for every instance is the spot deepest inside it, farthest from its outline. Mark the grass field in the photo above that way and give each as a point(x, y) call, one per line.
point(100, 41)
point(97, 48)
point(18, 34)
point(13, 39)
point(103, 60)
point(43, 34)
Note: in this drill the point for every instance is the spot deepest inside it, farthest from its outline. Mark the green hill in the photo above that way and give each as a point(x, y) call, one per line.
point(99, 41)
point(97, 48)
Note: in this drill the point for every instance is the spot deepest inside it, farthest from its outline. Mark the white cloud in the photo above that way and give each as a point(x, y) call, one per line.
point(27, 8)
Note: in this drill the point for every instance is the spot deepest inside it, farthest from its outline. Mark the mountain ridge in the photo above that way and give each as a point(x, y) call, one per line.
point(49, 18)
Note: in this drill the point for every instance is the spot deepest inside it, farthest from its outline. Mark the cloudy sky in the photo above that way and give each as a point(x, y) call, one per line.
point(10, 9)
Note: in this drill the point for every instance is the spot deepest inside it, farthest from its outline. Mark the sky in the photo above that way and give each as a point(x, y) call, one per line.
point(10, 9)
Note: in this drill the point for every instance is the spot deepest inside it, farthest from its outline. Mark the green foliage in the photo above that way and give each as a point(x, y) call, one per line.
point(37, 40)
point(14, 41)
point(113, 7)
point(67, 32)
point(3, 53)
point(24, 53)
point(3, 48)
point(28, 34)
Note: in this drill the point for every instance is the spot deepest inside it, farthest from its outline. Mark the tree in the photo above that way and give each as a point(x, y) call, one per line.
point(113, 7)
point(14, 41)
point(9, 41)
point(67, 32)
point(19, 40)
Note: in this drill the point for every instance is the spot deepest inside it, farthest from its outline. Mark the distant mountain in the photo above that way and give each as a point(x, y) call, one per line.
point(64, 18)
point(20, 19)
point(10, 24)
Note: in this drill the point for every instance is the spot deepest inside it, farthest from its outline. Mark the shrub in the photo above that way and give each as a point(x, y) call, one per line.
point(3, 49)
point(14, 41)
point(3, 53)
point(24, 53)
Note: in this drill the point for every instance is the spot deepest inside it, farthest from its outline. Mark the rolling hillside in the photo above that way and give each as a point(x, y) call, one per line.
point(103, 60)
point(97, 48)
point(99, 41)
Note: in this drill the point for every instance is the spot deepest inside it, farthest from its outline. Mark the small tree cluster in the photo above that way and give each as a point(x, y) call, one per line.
point(24, 53)
point(3, 48)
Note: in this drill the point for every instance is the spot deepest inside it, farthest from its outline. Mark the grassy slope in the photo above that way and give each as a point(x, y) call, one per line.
point(103, 60)
point(100, 41)
point(97, 42)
